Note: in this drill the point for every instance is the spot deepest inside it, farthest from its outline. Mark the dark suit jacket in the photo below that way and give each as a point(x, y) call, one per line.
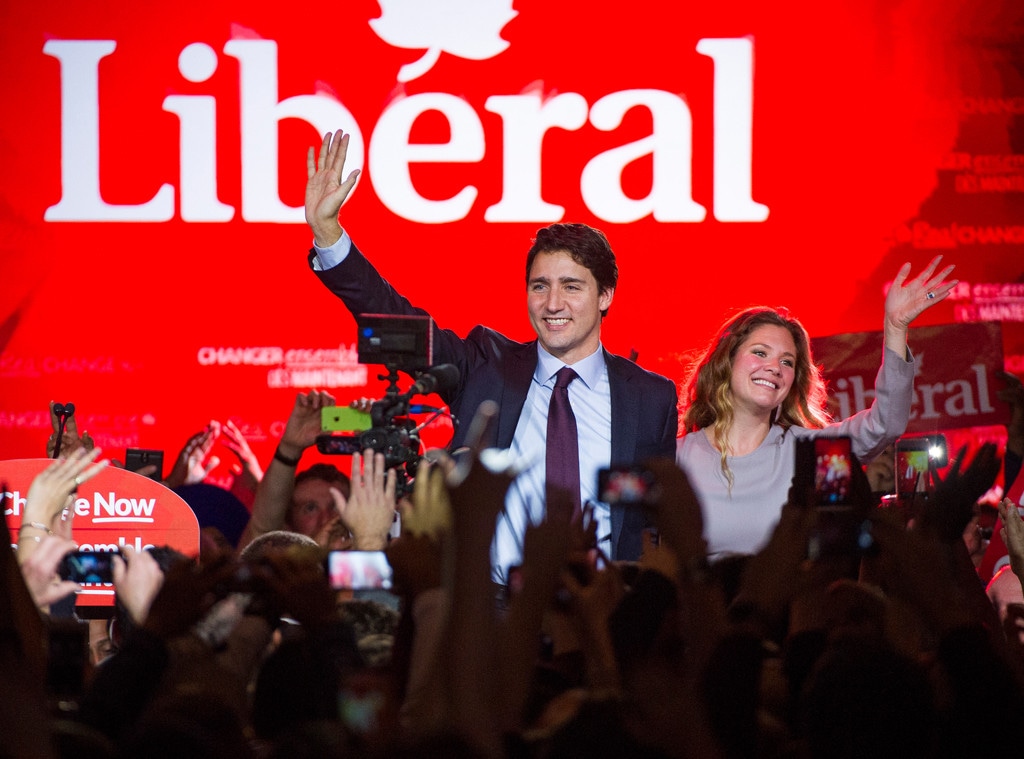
point(492, 367)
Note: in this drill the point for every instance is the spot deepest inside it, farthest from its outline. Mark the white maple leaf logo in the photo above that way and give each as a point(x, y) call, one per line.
point(465, 28)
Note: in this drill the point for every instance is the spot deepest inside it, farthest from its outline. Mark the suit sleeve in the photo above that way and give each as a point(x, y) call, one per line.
point(670, 429)
point(364, 291)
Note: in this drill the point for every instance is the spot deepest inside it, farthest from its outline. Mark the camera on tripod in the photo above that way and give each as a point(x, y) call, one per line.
point(400, 343)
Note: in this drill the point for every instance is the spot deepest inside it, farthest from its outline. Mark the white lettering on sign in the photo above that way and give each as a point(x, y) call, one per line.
point(526, 118)
point(114, 509)
point(954, 398)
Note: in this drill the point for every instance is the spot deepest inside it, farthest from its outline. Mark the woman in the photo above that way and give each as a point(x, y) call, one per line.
point(756, 390)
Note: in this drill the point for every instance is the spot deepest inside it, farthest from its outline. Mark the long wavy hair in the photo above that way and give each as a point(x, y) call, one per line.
point(707, 400)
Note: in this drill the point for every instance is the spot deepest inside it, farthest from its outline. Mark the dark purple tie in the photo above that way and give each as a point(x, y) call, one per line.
point(563, 450)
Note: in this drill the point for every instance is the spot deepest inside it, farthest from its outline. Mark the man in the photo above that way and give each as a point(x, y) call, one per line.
point(623, 414)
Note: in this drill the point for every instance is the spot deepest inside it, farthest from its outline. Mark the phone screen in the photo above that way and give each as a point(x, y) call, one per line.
point(89, 567)
point(626, 485)
point(358, 570)
point(339, 444)
point(832, 471)
point(911, 466)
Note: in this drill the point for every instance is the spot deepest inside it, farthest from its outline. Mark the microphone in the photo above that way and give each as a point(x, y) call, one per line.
point(63, 412)
point(436, 378)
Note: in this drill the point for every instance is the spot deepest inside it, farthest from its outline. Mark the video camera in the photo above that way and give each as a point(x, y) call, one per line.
point(400, 343)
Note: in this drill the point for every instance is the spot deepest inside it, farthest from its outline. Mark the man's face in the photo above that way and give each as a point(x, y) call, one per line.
point(312, 507)
point(565, 306)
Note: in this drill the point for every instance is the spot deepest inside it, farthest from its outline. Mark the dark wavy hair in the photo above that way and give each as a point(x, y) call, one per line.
point(706, 395)
point(587, 246)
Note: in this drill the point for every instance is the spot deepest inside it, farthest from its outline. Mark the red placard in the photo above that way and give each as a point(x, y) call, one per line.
point(113, 509)
point(955, 383)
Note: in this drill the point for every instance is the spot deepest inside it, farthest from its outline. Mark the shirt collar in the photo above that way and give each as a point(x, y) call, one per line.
point(589, 369)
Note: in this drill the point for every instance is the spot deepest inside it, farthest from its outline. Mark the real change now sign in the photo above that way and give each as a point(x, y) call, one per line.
point(113, 509)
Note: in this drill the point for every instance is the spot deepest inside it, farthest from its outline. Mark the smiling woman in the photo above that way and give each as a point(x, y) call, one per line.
point(756, 390)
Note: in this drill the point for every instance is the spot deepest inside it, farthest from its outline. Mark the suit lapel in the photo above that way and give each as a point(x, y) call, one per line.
point(521, 365)
point(625, 410)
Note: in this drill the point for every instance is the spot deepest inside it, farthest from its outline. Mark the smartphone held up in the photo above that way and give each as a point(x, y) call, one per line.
point(842, 528)
point(88, 567)
point(359, 570)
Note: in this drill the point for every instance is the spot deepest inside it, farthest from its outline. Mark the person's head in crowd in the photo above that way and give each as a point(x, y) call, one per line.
point(312, 506)
point(222, 517)
point(273, 542)
point(714, 383)
point(570, 282)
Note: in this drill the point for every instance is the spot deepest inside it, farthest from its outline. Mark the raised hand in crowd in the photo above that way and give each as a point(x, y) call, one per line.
point(48, 505)
point(416, 555)
point(137, 580)
point(304, 423)
point(369, 510)
point(952, 506)
point(430, 512)
point(194, 462)
point(247, 471)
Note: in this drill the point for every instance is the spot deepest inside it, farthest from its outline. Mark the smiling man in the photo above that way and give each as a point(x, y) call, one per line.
point(623, 414)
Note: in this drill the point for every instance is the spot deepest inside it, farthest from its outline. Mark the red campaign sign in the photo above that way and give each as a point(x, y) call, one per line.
point(955, 380)
point(113, 509)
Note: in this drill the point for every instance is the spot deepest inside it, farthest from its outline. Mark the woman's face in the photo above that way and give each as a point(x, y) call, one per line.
point(763, 370)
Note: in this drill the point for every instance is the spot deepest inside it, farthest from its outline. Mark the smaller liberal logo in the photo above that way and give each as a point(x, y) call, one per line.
point(464, 28)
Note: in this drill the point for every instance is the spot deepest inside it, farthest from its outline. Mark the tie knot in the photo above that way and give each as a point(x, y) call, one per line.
point(565, 376)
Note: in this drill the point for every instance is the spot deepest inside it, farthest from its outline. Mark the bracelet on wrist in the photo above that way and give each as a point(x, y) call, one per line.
point(286, 460)
point(36, 526)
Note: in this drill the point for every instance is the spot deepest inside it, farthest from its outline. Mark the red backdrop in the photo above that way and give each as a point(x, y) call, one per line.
point(862, 135)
